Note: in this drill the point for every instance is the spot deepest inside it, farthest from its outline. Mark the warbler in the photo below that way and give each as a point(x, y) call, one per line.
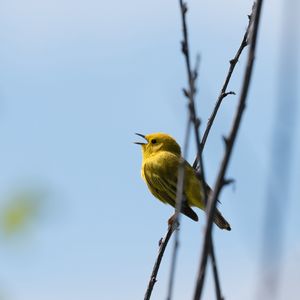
point(161, 159)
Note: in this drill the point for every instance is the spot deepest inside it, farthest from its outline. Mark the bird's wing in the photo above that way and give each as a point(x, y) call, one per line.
point(208, 189)
point(163, 184)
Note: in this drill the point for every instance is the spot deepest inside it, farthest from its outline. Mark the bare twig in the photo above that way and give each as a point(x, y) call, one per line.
point(215, 273)
point(177, 216)
point(223, 93)
point(179, 194)
point(211, 207)
point(190, 94)
point(162, 247)
point(192, 76)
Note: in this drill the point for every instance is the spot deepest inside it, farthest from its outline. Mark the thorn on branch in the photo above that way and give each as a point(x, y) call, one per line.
point(225, 140)
point(195, 74)
point(228, 181)
point(233, 61)
point(186, 93)
point(224, 95)
point(230, 93)
point(246, 41)
point(197, 122)
point(184, 47)
point(160, 242)
point(184, 8)
point(153, 279)
point(194, 119)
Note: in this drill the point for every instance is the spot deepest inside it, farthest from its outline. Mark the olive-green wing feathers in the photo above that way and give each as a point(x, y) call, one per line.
point(163, 184)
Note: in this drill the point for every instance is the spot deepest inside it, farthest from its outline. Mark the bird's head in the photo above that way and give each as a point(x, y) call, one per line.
point(156, 142)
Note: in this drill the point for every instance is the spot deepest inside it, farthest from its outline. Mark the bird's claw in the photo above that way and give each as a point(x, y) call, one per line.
point(173, 222)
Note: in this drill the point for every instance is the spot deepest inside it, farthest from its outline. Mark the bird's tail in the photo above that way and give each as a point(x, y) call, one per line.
point(220, 221)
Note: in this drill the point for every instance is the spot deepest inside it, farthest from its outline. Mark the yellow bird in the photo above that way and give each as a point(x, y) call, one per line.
point(161, 158)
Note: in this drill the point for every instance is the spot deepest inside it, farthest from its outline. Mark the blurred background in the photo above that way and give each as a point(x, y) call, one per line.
point(77, 79)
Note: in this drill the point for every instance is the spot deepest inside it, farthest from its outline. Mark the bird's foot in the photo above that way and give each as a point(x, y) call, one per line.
point(173, 222)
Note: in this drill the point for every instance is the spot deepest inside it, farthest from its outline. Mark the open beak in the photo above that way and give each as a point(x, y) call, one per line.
point(141, 135)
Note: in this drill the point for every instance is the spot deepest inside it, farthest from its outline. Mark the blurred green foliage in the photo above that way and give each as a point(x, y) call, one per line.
point(19, 212)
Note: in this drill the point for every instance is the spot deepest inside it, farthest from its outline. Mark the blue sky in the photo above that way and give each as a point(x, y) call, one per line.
point(77, 79)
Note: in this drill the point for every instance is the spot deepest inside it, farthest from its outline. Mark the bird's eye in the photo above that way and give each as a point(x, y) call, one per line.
point(153, 141)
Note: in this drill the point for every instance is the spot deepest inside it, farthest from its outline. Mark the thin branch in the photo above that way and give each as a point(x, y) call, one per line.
point(192, 75)
point(215, 273)
point(179, 200)
point(162, 247)
point(190, 94)
point(211, 207)
point(223, 93)
point(179, 196)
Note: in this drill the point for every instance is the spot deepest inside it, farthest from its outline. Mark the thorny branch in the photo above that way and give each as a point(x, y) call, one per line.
point(180, 180)
point(162, 247)
point(229, 146)
point(179, 200)
point(192, 75)
point(190, 94)
point(223, 93)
